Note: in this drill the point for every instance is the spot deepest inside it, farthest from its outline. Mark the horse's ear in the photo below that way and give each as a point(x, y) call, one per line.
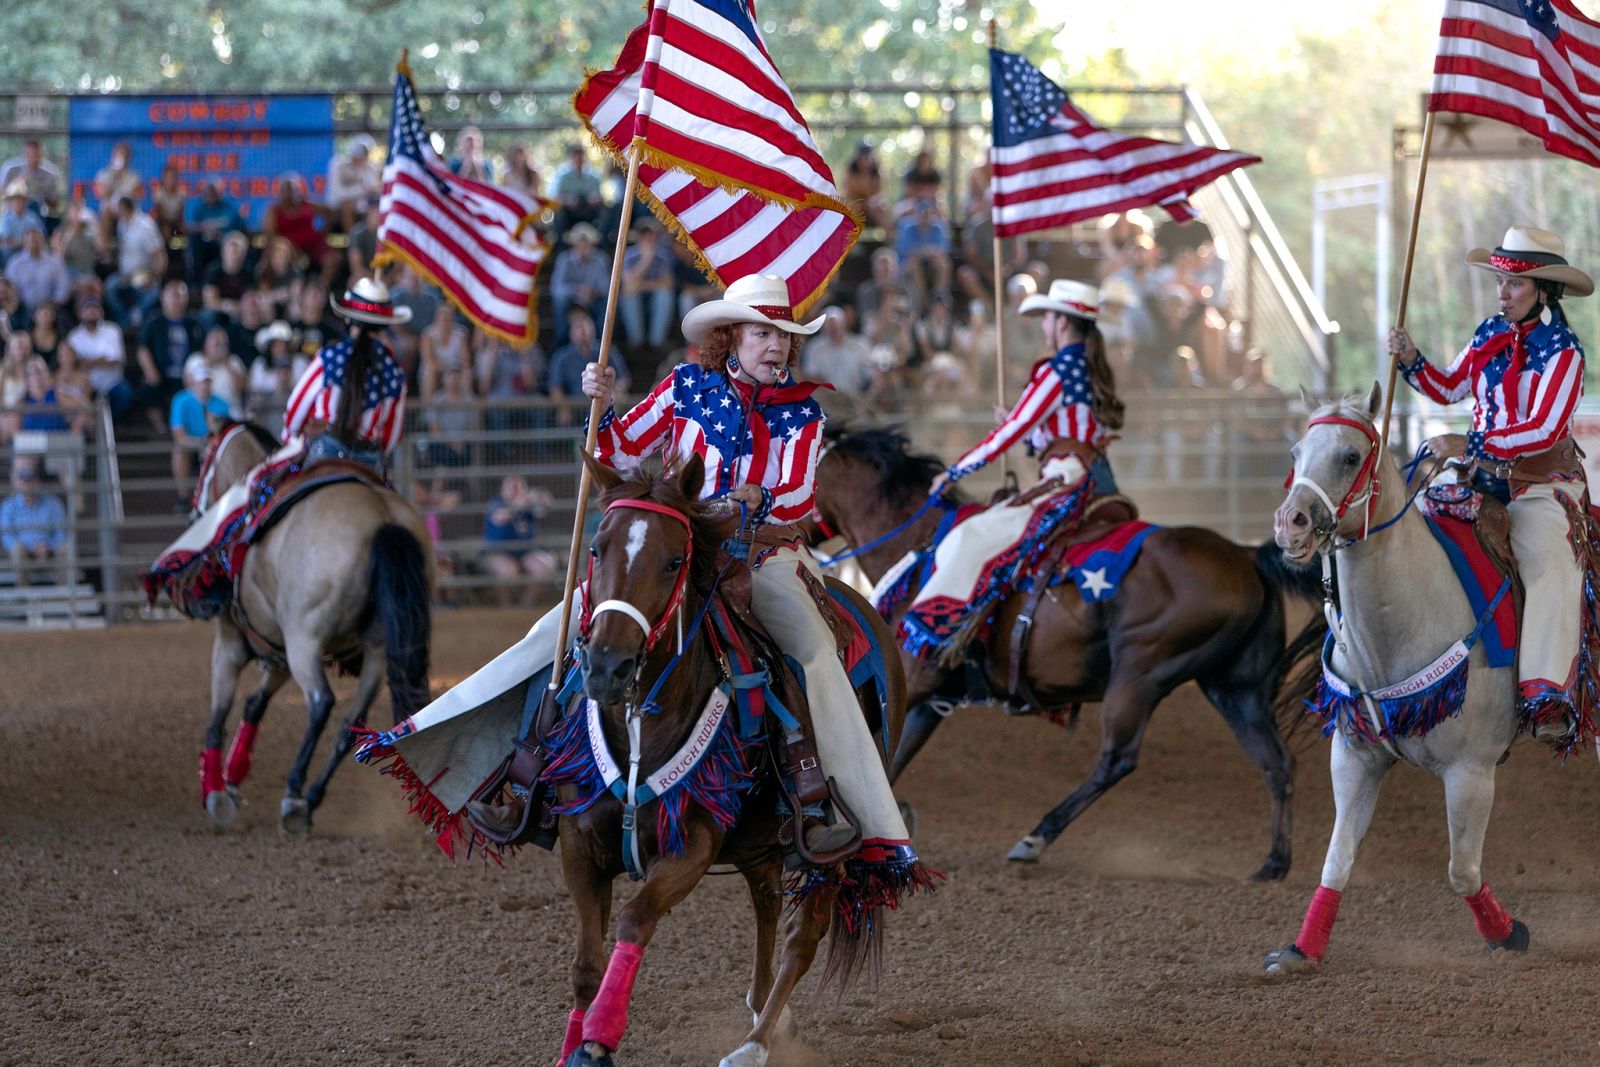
point(1305, 399)
point(1375, 400)
point(692, 476)
point(605, 477)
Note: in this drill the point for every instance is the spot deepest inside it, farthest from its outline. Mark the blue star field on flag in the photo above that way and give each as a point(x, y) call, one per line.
point(1025, 101)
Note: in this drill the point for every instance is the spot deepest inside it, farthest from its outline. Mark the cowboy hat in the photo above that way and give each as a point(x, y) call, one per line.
point(368, 301)
point(278, 331)
point(17, 188)
point(754, 298)
point(1527, 252)
point(1078, 299)
point(582, 231)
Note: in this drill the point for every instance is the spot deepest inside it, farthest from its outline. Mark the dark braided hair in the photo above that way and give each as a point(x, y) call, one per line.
point(348, 417)
point(1107, 407)
point(1552, 291)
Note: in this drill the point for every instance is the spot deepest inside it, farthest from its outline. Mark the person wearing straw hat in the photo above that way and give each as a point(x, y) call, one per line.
point(1066, 415)
point(1523, 370)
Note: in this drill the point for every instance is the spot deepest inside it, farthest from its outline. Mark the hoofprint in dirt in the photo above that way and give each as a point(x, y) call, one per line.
point(137, 933)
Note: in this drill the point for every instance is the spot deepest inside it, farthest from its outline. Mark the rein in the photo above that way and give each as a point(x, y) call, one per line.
point(935, 500)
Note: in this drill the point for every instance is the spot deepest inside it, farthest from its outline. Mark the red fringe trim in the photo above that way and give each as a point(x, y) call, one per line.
point(447, 827)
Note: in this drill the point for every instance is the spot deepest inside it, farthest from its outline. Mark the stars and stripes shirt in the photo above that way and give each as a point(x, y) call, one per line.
point(316, 397)
point(1524, 380)
point(1058, 402)
point(698, 412)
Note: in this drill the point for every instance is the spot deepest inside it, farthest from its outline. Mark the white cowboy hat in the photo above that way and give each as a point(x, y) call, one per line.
point(753, 298)
point(582, 232)
point(1068, 297)
point(17, 188)
point(368, 301)
point(1527, 252)
point(278, 331)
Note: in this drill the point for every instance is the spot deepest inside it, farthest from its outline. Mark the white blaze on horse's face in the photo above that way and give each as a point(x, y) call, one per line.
point(636, 535)
point(1327, 461)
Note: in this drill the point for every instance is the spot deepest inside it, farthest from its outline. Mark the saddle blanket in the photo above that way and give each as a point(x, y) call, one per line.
point(1479, 579)
point(1098, 566)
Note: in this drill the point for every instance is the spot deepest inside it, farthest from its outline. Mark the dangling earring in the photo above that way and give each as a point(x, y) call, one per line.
point(733, 367)
point(783, 375)
point(1544, 313)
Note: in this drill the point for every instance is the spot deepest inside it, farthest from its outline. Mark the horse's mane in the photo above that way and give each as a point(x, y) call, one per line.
point(710, 526)
point(263, 436)
point(1353, 406)
point(905, 475)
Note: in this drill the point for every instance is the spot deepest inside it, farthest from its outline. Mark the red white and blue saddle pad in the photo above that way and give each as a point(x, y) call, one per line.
point(1452, 526)
point(1097, 567)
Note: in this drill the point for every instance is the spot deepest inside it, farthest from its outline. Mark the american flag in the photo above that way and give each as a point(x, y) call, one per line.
point(1531, 63)
point(315, 397)
point(1053, 167)
point(463, 236)
point(728, 162)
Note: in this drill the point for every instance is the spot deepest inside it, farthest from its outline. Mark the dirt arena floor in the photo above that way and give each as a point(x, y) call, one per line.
point(135, 933)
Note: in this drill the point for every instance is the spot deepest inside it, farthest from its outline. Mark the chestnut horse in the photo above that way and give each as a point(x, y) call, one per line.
point(1193, 607)
point(345, 576)
point(652, 532)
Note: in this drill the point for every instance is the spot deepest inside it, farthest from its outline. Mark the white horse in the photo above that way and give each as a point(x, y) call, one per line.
point(1404, 614)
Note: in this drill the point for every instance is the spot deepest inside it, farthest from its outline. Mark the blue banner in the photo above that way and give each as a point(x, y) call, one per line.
point(244, 142)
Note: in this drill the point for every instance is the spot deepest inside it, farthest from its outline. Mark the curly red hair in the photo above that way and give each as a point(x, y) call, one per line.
point(719, 345)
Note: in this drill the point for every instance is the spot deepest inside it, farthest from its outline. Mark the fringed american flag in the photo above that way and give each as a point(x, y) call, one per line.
point(728, 162)
point(1053, 167)
point(1531, 63)
point(464, 236)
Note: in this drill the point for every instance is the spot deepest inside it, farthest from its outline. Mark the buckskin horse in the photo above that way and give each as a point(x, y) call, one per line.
point(343, 576)
point(654, 563)
point(1411, 660)
point(1193, 606)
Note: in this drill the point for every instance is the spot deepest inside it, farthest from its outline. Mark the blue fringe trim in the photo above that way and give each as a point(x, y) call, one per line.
point(1411, 716)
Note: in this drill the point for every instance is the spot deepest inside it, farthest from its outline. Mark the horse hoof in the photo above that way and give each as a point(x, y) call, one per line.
point(908, 815)
point(1289, 960)
point(222, 806)
point(1028, 850)
point(233, 792)
point(748, 1054)
point(589, 1054)
point(294, 815)
point(1517, 942)
point(1273, 870)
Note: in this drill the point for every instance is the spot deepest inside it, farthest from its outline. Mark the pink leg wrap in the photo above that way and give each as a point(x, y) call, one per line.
point(1493, 922)
point(239, 755)
point(1314, 932)
point(574, 1038)
point(210, 772)
point(608, 1015)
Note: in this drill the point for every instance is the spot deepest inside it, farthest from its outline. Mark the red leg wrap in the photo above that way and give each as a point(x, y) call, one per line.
point(1493, 922)
point(1314, 932)
point(574, 1038)
point(210, 772)
point(244, 742)
point(608, 1015)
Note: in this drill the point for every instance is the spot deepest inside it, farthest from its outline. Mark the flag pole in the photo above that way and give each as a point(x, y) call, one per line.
point(1405, 278)
point(582, 506)
point(999, 282)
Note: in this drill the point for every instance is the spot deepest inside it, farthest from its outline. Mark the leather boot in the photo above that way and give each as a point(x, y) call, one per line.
point(503, 819)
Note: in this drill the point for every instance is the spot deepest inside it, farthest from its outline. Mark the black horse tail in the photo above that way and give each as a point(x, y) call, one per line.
point(1300, 665)
point(397, 584)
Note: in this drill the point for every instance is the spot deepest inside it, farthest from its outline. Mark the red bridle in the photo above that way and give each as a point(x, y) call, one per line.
point(680, 588)
point(1366, 484)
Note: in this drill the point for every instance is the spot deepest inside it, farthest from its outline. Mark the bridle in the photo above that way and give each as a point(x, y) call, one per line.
point(1363, 490)
point(674, 608)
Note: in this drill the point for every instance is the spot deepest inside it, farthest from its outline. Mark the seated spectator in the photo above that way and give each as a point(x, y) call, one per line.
point(42, 178)
point(1189, 258)
point(577, 188)
point(432, 503)
point(46, 333)
point(169, 204)
point(863, 185)
point(74, 391)
point(580, 277)
point(278, 367)
point(694, 285)
point(975, 197)
point(451, 419)
point(38, 274)
point(33, 526)
point(76, 242)
point(13, 382)
point(141, 264)
point(278, 278)
point(645, 303)
point(837, 356)
point(17, 221)
point(14, 317)
point(445, 344)
point(242, 329)
point(922, 181)
point(211, 216)
point(99, 349)
point(363, 240)
point(411, 290)
point(115, 182)
point(885, 279)
point(165, 342)
point(922, 241)
point(504, 373)
point(353, 181)
point(521, 175)
point(191, 426)
point(226, 281)
point(934, 333)
point(229, 377)
point(313, 321)
point(469, 160)
point(510, 526)
point(41, 407)
point(567, 363)
point(300, 222)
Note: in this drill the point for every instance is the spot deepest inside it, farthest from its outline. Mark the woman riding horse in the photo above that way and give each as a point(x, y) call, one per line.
point(1066, 414)
point(1524, 371)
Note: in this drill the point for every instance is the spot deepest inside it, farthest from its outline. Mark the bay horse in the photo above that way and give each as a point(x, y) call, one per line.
point(1403, 606)
point(655, 553)
point(345, 576)
point(1193, 607)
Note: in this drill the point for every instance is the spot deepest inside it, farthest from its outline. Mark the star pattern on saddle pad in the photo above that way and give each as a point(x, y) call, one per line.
point(1094, 583)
